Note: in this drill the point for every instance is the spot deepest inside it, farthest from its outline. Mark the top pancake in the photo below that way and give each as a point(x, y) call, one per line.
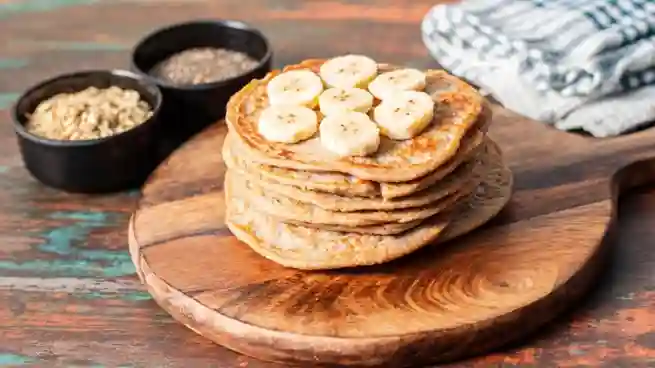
point(458, 107)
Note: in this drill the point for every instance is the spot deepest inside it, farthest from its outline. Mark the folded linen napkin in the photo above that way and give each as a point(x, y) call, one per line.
point(576, 64)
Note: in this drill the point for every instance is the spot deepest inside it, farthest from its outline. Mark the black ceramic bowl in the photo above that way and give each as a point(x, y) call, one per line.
point(108, 164)
point(190, 108)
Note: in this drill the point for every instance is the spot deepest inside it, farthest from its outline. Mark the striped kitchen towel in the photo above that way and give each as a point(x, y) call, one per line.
point(576, 64)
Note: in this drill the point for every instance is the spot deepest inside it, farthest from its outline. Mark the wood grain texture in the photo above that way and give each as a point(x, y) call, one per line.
point(68, 293)
point(396, 314)
point(438, 304)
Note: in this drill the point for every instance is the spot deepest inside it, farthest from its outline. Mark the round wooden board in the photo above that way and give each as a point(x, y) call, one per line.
point(474, 294)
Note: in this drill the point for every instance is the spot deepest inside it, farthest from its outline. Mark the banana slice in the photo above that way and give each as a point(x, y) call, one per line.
point(334, 100)
point(405, 115)
point(348, 71)
point(349, 133)
point(295, 87)
point(287, 123)
point(386, 84)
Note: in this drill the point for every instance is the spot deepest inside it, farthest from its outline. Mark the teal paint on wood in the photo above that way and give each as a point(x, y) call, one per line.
point(30, 6)
point(13, 360)
point(105, 255)
point(7, 99)
point(70, 268)
point(60, 240)
point(69, 244)
point(88, 288)
point(136, 296)
point(12, 63)
point(82, 216)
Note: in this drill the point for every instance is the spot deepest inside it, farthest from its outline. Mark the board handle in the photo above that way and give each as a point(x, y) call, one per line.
point(534, 141)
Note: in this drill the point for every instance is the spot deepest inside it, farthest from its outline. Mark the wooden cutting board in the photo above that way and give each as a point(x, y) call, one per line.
point(481, 291)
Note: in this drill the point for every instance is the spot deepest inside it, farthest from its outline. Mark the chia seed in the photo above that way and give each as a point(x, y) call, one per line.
point(203, 65)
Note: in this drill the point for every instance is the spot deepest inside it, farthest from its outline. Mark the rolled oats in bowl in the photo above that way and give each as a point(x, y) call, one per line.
point(88, 114)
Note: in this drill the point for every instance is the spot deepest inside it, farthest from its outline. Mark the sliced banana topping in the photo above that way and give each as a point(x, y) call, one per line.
point(335, 100)
point(405, 115)
point(386, 84)
point(349, 71)
point(287, 123)
point(295, 87)
point(349, 133)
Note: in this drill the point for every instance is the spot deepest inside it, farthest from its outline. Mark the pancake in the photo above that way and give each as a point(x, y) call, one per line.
point(289, 210)
point(483, 204)
point(331, 202)
point(488, 165)
point(469, 149)
point(321, 181)
point(345, 184)
point(314, 249)
point(489, 198)
point(382, 229)
point(458, 108)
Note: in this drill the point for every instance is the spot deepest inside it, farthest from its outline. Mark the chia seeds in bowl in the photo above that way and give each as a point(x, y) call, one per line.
point(191, 103)
point(203, 65)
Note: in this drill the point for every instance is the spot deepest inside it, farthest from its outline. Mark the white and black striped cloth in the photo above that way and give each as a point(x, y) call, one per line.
point(578, 64)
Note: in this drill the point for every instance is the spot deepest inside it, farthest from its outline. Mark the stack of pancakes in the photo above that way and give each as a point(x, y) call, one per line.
point(301, 207)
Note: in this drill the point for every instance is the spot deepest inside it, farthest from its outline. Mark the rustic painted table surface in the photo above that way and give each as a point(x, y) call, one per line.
point(68, 293)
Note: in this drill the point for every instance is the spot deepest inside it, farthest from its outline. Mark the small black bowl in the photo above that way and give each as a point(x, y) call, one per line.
point(114, 163)
point(190, 108)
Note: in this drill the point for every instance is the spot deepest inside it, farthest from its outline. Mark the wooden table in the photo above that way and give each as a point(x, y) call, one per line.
point(68, 294)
